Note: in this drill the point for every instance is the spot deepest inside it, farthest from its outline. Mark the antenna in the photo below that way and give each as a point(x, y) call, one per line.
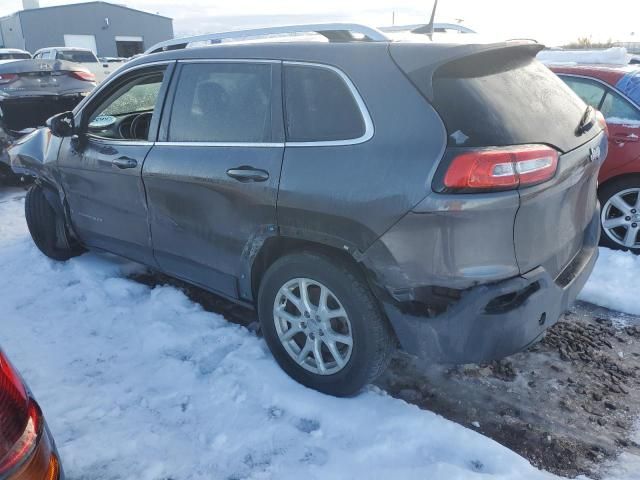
point(428, 28)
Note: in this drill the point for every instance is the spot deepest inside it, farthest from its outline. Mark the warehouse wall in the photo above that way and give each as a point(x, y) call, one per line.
point(11, 32)
point(46, 27)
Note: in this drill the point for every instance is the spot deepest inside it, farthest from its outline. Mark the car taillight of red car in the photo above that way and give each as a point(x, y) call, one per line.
point(25, 452)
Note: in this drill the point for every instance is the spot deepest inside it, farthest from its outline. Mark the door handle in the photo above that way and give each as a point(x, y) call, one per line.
point(248, 174)
point(124, 162)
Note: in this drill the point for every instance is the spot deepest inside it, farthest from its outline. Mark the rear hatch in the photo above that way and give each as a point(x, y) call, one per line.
point(497, 96)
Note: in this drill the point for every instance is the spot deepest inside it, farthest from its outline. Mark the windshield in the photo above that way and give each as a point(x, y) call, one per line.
point(76, 56)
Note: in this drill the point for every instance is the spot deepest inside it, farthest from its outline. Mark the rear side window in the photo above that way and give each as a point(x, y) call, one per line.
point(590, 92)
point(222, 102)
point(319, 106)
point(617, 107)
point(76, 56)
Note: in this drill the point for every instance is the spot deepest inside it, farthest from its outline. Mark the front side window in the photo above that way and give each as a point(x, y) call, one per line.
point(617, 107)
point(589, 91)
point(222, 102)
point(320, 106)
point(126, 113)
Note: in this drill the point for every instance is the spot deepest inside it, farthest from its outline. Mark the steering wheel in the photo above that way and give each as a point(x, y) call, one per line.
point(138, 124)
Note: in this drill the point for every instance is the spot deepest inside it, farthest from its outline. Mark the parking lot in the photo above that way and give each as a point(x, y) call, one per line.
point(149, 378)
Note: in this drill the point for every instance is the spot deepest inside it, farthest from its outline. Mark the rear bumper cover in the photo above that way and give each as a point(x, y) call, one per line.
point(469, 332)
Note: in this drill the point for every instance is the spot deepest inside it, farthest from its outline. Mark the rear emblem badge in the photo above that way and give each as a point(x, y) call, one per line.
point(594, 153)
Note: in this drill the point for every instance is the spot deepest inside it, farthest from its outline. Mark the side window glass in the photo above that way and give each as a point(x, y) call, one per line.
point(222, 102)
point(126, 113)
point(617, 107)
point(590, 92)
point(320, 106)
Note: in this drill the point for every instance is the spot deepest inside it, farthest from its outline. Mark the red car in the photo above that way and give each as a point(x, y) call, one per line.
point(615, 91)
point(27, 451)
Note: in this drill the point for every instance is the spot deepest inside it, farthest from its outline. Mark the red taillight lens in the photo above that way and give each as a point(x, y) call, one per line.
point(82, 75)
point(19, 418)
point(501, 168)
point(7, 78)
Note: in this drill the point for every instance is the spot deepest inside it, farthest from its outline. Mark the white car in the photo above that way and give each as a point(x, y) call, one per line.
point(83, 56)
point(14, 54)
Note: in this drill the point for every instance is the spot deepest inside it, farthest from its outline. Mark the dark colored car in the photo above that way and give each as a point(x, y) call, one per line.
point(615, 90)
point(357, 193)
point(31, 91)
point(27, 450)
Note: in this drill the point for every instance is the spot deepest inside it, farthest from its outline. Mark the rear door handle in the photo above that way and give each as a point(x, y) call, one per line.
point(124, 162)
point(245, 173)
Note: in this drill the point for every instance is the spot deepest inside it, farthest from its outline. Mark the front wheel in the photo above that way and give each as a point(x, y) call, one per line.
point(322, 323)
point(620, 217)
point(47, 229)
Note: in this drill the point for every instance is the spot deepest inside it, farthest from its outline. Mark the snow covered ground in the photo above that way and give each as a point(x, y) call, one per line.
point(615, 282)
point(142, 383)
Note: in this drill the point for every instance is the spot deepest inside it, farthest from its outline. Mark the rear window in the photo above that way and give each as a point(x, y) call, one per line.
point(320, 106)
point(506, 98)
point(14, 56)
point(75, 56)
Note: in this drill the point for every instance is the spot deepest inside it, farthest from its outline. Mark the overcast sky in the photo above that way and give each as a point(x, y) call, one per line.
point(550, 21)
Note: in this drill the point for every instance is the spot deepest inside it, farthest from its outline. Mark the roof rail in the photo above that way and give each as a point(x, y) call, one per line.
point(334, 32)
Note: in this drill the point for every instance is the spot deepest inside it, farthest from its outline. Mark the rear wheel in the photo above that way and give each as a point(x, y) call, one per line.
point(47, 229)
point(322, 324)
point(620, 218)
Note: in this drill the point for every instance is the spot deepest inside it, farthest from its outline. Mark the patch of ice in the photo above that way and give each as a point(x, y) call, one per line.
point(610, 56)
point(614, 282)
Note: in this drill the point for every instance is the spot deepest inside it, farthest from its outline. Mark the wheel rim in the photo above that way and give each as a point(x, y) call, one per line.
point(621, 218)
point(313, 326)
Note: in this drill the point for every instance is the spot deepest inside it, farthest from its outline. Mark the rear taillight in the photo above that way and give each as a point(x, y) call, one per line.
point(501, 168)
point(19, 418)
point(7, 78)
point(82, 75)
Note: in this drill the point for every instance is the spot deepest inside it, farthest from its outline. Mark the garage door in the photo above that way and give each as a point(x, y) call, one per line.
point(81, 41)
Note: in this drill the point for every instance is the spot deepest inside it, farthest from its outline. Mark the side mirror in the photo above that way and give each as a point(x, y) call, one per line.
point(62, 125)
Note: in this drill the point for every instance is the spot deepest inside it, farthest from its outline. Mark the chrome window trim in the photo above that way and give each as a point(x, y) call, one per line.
point(606, 86)
point(369, 129)
point(222, 144)
point(117, 141)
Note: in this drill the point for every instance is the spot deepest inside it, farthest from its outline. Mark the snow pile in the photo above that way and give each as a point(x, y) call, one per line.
point(142, 383)
point(610, 56)
point(614, 282)
point(627, 122)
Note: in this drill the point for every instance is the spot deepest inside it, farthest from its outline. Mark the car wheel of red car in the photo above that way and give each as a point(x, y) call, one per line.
point(620, 218)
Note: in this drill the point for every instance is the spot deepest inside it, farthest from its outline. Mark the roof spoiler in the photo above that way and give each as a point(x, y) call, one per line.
point(334, 32)
point(420, 62)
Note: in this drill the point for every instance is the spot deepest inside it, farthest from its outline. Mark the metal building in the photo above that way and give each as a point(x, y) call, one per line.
point(108, 29)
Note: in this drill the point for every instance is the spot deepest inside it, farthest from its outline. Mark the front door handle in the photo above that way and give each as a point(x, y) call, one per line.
point(248, 174)
point(124, 162)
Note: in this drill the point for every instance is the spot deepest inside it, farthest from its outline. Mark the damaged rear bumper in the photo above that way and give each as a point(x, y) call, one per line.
point(495, 320)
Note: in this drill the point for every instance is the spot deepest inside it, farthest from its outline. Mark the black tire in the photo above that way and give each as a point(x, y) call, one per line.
point(47, 230)
point(373, 340)
point(607, 191)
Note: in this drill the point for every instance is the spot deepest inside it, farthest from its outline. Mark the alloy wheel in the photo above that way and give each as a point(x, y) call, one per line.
point(313, 326)
point(621, 218)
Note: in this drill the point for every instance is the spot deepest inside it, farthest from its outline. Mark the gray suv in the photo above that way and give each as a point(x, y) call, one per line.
point(361, 194)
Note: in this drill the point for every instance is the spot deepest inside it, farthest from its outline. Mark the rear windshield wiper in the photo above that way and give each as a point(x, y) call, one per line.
point(586, 122)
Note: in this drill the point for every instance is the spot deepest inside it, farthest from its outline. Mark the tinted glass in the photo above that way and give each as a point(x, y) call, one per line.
point(505, 98)
point(617, 108)
point(319, 106)
point(14, 56)
point(222, 102)
point(78, 57)
point(590, 92)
